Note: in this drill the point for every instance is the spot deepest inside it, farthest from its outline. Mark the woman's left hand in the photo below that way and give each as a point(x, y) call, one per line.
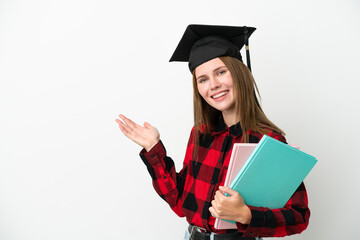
point(230, 207)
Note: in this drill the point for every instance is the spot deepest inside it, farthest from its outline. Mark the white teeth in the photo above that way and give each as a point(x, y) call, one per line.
point(220, 94)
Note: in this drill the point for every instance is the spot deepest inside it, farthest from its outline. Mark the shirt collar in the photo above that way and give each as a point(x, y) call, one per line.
point(221, 127)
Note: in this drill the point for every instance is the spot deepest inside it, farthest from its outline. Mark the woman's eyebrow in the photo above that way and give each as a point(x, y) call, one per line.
point(216, 69)
point(200, 76)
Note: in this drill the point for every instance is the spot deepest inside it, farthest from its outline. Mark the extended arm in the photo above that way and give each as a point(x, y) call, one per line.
point(166, 181)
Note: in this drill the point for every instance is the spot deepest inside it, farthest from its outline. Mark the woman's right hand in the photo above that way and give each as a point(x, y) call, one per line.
point(147, 136)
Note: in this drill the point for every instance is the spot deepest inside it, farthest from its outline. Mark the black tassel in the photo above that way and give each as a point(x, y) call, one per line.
point(247, 49)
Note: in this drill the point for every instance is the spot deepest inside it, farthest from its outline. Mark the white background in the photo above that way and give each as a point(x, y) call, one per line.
point(68, 68)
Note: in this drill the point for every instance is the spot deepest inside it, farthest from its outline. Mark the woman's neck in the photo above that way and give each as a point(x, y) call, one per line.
point(230, 118)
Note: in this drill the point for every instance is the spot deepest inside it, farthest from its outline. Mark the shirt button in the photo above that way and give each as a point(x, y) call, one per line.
point(153, 156)
point(164, 177)
point(250, 233)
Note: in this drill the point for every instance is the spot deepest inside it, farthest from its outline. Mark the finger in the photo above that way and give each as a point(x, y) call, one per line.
point(122, 117)
point(217, 197)
point(128, 121)
point(220, 195)
point(147, 125)
point(124, 128)
point(221, 200)
point(227, 190)
point(118, 121)
point(214, 204)
point(213, 212)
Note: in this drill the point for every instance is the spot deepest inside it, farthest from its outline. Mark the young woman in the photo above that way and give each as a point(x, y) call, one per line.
point(226, 111)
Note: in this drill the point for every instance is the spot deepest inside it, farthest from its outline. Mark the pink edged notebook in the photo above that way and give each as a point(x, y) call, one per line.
point(239, 155)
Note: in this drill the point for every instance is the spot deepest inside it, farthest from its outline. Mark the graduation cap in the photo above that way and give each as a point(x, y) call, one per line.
point(201, 43)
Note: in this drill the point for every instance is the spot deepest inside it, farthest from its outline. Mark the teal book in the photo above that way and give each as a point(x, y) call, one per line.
point(272, 173)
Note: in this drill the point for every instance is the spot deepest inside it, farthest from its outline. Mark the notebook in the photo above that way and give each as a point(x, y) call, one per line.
point(270, 168)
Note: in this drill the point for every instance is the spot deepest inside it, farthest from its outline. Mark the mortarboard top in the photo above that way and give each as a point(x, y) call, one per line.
point(201, 43)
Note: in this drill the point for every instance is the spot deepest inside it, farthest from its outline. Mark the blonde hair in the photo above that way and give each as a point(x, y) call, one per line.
point(247, 104)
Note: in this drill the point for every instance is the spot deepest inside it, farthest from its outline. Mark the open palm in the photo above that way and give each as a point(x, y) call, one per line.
point(146, 136)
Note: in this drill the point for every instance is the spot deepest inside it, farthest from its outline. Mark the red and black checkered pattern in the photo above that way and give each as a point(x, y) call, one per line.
point(190, 192)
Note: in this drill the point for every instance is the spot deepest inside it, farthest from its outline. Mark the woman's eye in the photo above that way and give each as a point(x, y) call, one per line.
point(202, 80)
point(222, 72)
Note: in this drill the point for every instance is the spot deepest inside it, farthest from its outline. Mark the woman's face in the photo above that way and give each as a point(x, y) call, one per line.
point(215, 85)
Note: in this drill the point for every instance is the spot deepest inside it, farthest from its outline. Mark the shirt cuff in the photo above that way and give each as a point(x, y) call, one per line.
point(256, 224)
point(155, 154)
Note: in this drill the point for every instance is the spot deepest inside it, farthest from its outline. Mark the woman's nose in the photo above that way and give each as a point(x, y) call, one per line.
point(214, 83)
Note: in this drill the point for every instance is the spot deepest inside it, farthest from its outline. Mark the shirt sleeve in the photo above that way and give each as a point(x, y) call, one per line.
point(166, 181)
point(291, 219)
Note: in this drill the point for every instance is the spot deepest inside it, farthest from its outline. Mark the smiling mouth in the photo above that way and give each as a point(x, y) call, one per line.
point(219, 94)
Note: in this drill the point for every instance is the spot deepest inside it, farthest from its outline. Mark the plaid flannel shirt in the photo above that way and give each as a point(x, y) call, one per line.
point(190, 192)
